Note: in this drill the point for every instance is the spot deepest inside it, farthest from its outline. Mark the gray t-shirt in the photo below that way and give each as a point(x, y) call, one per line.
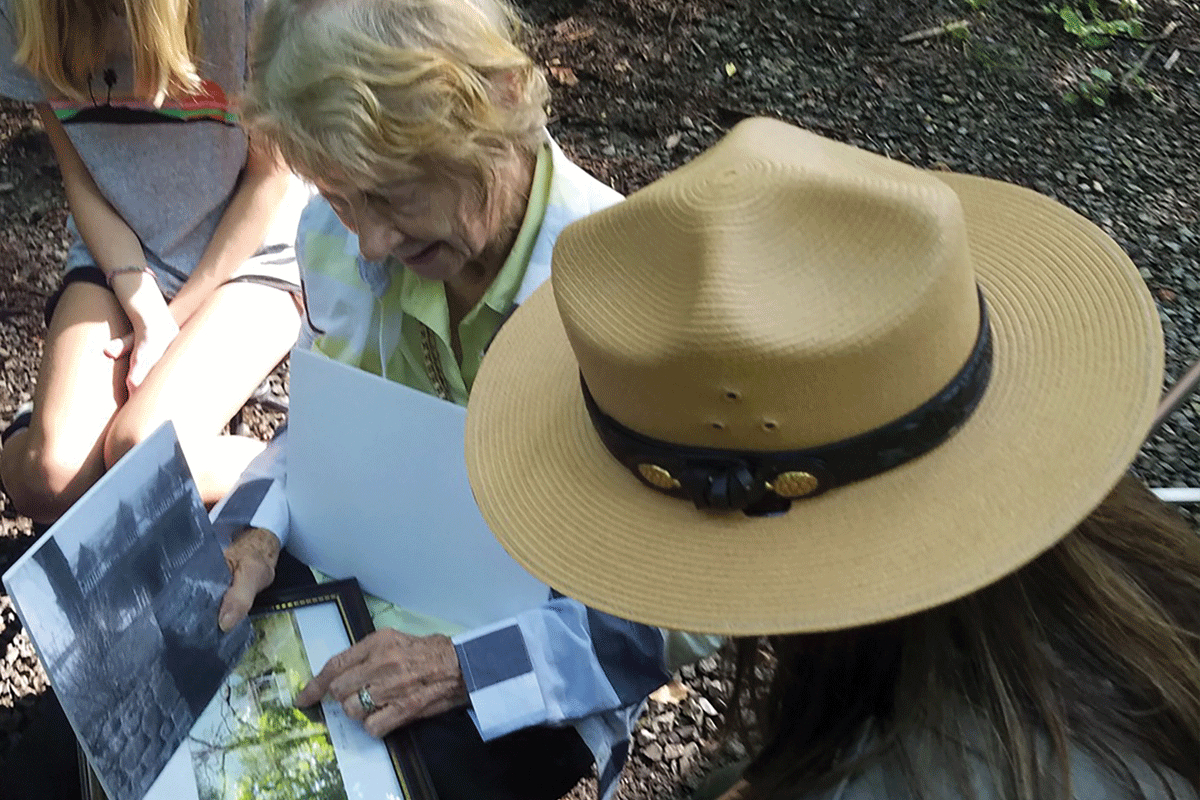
point(168, 171)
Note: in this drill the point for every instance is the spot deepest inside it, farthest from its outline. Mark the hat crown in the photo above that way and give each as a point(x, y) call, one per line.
point(780, 292)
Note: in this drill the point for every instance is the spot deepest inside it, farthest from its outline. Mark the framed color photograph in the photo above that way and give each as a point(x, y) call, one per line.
point(252, 742)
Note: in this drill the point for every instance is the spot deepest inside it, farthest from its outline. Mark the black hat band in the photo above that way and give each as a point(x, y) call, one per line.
point(759, 482)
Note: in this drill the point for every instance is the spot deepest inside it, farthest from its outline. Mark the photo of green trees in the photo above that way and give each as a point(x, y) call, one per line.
point(251, 743)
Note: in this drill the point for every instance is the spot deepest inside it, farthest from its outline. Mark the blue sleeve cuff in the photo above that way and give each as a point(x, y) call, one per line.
point(499, 675)
point(259, 499)
point(255, 504)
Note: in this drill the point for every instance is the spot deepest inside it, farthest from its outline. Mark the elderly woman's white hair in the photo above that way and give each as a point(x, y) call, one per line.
point(367, 91)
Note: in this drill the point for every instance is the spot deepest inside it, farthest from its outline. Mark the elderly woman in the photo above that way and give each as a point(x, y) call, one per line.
point(874, 416)
point(422, 124)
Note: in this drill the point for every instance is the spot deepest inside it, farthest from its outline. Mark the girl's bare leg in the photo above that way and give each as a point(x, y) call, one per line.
point(48, 466)
point(219, 358)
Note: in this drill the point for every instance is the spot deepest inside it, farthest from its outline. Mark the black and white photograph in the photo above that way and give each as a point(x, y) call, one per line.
point(121, 599)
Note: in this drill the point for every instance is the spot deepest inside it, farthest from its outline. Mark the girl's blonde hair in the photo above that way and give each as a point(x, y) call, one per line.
point(369, 91)
point(62, 42)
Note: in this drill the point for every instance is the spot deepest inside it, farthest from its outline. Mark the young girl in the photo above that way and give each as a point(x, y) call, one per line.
point(178, 293)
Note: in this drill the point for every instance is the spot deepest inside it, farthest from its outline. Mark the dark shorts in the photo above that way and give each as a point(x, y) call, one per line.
point(95, 276)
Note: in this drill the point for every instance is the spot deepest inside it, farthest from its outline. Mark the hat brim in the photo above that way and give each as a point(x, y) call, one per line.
point(1076, 379)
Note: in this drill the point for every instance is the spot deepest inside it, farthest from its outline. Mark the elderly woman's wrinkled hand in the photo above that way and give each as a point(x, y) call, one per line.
point(406, 678)
point(251, 559)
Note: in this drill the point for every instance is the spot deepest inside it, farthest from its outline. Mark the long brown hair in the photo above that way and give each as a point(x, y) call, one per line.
point(1094, 645)
point(61, 42)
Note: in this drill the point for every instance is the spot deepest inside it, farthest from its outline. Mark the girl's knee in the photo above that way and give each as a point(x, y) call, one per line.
point(126, 432)
point(133, 424)
point(44, 481)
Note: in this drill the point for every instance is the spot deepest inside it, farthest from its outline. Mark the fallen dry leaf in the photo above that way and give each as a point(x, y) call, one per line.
point(564, 75)
point(672, 693)
point(571, 30)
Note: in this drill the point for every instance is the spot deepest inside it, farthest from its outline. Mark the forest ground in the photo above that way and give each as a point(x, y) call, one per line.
point(1110, 127)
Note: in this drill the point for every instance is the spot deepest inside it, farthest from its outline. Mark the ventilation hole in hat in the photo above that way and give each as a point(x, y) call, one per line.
point(717, 425)
point(733, 394)
point(770, 424)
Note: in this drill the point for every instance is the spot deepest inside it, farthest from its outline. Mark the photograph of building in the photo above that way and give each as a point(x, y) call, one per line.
point(121, 601)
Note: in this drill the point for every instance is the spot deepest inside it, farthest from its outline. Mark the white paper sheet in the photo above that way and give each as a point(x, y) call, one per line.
point(377, 490)
point(1176, 495)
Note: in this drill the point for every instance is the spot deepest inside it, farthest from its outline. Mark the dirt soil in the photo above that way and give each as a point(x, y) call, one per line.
point(642, 86)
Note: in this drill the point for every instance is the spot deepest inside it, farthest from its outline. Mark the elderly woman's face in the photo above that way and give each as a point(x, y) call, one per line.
point(434, 225)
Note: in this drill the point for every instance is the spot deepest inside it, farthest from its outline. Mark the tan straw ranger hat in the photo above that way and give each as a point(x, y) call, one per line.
point(802, 415)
